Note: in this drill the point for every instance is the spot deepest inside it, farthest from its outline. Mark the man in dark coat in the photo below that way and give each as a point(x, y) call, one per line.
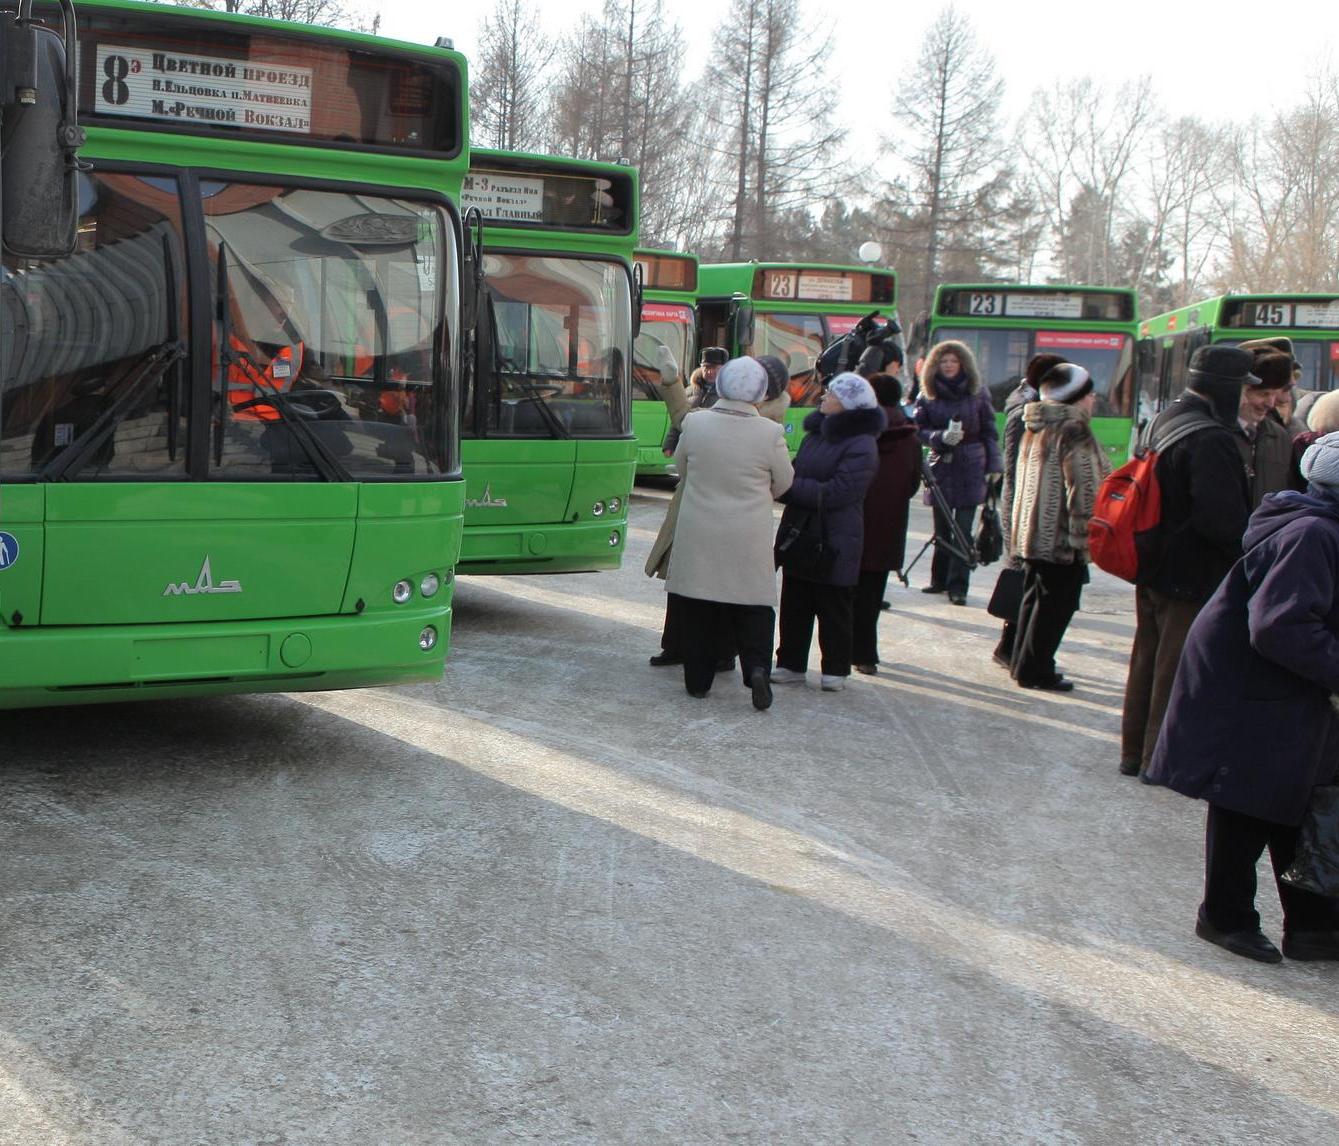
point(1250, 728)
point(1205, 505)
point(887, 510)
point(1265, 446)
point(833, 468)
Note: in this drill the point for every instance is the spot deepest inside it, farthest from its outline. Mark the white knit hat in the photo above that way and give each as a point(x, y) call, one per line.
point(1320, 463)
point(742, 380)
point(853, 392)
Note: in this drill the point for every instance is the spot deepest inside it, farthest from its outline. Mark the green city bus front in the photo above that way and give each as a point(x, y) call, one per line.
point(227, 457)
point(748, 308)
point(547, 443)
point(1003, 347)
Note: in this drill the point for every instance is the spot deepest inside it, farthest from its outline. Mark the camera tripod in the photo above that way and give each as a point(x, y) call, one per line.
point(958, 544)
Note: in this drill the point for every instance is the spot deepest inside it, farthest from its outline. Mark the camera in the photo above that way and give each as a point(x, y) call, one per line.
point(846, 352)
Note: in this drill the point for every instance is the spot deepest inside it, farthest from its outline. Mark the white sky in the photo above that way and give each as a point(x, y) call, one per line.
point(1250, 60)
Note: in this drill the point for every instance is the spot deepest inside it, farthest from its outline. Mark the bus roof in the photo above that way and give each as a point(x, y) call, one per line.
point(552, 193)
point(1295, 313)
point(1023, 302)
point(202, 73)
point(828, 284)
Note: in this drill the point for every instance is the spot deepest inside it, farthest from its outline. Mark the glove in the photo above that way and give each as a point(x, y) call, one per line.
point(669, 369)
point(995, 478)
point(952, 436)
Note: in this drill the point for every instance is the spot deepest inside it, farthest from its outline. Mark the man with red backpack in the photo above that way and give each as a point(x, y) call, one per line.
point(1205, 504)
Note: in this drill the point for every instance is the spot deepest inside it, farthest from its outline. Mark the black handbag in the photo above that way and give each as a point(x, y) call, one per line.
point(989, 535)
point(1315, 865)
point(1007, 598)
point(802, 548)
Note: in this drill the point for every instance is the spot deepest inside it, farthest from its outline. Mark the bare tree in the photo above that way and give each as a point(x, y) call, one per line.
point(508, 88)
point(771, 120)
point(323, 13)
point(947, 118)
point(1082, 140)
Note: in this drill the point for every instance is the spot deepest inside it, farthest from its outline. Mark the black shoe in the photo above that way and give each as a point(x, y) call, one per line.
point(957, 598)
point(662, 660)
point(868, 670)
point(934, 589)
point(762, 689)
point(1311, 946)
point(725, 664)
point(698, 695)
point(1129, 767)
point(1253, 944)
point(884, 606)
point(1055, 683)
point(1000, 659)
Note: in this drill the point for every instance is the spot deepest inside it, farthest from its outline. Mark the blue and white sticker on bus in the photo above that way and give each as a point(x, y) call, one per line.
point(9, 550)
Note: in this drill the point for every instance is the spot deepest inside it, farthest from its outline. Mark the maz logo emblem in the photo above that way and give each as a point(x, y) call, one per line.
point(488, 501)
point(203, 584)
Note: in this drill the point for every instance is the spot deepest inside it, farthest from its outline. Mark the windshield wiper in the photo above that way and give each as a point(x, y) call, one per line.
point(77, 454)
point(318, 453)
point(531, 392)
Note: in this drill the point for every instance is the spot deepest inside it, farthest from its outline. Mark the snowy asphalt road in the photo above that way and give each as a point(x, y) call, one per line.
point(554, 898)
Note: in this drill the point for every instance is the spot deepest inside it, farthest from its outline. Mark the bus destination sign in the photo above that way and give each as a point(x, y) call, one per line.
point(1322, 313)
point(516, 198)
point(189, 87)
point(1056, 305)
point(815, 286)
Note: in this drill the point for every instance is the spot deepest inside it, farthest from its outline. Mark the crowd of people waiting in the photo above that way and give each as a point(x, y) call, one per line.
point(1235, 657)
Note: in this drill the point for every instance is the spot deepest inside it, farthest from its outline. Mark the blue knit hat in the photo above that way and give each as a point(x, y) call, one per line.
point(1320, 463)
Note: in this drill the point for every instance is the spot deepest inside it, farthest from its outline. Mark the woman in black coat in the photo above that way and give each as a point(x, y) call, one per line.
point(887, 509)
point(836, 462)
point(1249, 727)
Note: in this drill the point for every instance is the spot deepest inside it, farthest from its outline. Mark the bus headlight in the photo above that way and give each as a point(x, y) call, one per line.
point(597, 510)
point(430, 584)
point(615, 504)
point(402, 592)
point(427, 639)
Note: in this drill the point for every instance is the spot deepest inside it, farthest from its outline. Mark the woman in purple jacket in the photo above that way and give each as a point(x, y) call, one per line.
point(956, 420)
point(836, 462)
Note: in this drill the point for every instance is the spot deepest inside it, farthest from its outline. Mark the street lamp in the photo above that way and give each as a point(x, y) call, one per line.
point(870, 252)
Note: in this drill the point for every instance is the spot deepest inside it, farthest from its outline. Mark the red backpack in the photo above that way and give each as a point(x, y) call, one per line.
point(1123, 532)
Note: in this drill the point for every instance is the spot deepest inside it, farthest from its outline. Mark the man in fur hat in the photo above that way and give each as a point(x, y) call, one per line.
point(1265, 446)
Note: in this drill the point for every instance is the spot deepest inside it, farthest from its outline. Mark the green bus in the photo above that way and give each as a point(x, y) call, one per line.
point(1310, 321)
point(228, 455)
point(791, 310)
point(1005, 324)
point(668, 324)
point(546, 430)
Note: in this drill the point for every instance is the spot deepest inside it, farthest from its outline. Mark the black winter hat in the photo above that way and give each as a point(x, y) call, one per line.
point(1221, 366)
point(887, 389)
point(778, 377)
point(1037, 368)
point(715, 356)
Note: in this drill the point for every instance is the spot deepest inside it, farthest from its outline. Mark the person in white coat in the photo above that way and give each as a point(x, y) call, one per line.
point(733, 464)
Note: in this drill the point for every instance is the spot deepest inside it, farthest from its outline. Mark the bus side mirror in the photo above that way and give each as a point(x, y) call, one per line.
point(743, 327)
point(637, 296)
point(39, 205)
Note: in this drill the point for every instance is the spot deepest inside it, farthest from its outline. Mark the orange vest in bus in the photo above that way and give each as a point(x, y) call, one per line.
point(247, 382)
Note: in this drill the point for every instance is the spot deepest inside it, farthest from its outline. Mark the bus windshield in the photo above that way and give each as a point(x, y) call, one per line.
point(327, 336)
point(560, 326)
point(667, 325)
point(1002, 356)
point(798, 340)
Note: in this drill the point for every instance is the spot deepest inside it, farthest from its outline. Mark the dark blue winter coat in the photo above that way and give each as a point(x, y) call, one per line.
point(839, 457)
point(1249, 726)
point(960, 470)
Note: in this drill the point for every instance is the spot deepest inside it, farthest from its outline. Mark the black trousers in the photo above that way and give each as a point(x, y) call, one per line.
point(1050, 599)
point(803, 602)
point(946, 570)
point(866, 605)
point(748, 627)
point(672, 634)
point(1233, 844)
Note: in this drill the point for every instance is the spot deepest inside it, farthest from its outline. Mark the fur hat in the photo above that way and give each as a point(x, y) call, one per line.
point(853, 392)
point(715, 356)
point(1275, 370)
point(1323, 417)
point(1320, 463)
point(887, 389)
point(1036, 369)
point(1276, 345)
point(778, 376)
point(742, 380)
point(1065, 383)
